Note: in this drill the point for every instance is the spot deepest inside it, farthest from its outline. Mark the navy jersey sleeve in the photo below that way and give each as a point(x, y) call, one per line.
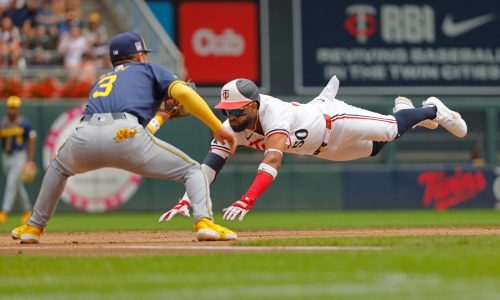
point(163, 78)
point(26, 124)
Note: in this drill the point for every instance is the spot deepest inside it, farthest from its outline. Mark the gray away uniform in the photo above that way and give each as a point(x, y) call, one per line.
point(126, 97)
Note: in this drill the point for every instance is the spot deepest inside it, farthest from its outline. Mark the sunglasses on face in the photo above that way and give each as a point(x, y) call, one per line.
point(235, 112)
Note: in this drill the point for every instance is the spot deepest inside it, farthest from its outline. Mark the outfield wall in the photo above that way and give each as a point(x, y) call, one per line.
point(303, 183)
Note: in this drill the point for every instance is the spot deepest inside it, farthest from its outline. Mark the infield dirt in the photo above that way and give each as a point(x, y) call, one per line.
point(184, 242)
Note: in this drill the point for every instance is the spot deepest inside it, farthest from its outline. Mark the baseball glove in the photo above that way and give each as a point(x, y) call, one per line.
point(173, 109)
point(29, 172)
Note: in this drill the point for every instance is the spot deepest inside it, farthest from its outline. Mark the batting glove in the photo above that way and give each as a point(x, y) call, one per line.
point(182, 208)
point(238, 208)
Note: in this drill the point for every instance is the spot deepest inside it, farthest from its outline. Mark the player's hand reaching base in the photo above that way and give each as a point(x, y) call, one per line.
point(238, 209)
point(182, 208)
point(224, 135)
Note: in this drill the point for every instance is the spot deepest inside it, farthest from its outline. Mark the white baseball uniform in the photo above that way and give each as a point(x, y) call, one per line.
point(325, 127)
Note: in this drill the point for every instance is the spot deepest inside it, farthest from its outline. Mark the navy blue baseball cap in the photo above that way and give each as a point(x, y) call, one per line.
point(126, 43)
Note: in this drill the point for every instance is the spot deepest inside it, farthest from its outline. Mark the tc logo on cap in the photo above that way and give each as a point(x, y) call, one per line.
point(225, 94)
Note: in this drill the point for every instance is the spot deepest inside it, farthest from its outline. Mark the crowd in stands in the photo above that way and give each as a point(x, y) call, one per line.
point(50, 33)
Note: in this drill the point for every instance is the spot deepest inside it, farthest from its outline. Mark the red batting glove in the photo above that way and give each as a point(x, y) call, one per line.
point(182, 207)
point(239, 208)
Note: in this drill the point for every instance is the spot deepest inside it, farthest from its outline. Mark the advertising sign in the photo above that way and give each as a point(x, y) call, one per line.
point(219, 40)
point(417, 187)
point(402, 47)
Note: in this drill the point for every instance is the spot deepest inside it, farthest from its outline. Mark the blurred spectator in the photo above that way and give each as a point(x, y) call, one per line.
point(41, 57)
point(72, 48)
point(53, 38)
point(28, 36)
point(46, 15)
point(88, 69)
point(5, 4)
point(97, 37)
point(22, 11)
point(51, 32)
point(71, 19)
point(14, 9)
point(10, 47)
point(477, 158)
point(94, 28)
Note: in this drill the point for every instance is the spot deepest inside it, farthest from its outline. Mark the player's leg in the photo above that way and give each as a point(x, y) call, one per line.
point(355, 123)
point(449, 119)
point(53, 184)
point(13, 166)
point(351, 124)
point(401, 103)
point(351, 151)
point(408, 118)
point(25, 199)
point(77, 155)
point(146, 155)
point(4, 214)
point(151, 157)
point(329, 92)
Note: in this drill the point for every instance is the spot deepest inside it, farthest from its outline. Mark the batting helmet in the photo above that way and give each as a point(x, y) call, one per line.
point(238, 93)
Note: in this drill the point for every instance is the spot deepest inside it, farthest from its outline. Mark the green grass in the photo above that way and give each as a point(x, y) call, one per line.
point(407, 267)
point(273, 220)
point(445, 268)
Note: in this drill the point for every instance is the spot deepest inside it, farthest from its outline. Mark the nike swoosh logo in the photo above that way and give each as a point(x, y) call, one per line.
point(454, 29)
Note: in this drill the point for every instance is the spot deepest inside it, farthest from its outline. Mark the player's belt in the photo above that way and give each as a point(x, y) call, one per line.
point(114, 116)
point(326, 136)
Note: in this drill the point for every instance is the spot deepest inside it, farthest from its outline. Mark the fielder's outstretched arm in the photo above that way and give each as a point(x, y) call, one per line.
point(182, 92)
point(267, 172)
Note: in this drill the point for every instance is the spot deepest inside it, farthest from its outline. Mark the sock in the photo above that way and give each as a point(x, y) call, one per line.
point(407, 118)
point(377, 146)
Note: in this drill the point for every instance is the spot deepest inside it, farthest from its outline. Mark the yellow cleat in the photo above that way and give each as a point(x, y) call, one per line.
point(3, 217)
point(207, 230)
point(25, 217)
point(27, 234)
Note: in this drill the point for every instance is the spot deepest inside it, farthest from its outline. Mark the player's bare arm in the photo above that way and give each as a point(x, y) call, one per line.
point(199, 108)
point(226, 136)
point(275, 145)
point(266, 173)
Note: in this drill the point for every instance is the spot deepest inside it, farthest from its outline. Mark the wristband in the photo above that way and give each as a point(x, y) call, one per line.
point(261, 182)
point(268, 169)
point(155, 124)
point(273, 150)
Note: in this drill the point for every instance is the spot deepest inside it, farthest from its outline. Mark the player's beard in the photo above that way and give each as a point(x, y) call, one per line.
point(242, 125)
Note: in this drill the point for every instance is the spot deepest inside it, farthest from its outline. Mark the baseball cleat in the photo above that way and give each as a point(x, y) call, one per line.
point(405, 103)
point(27, 234)
point(449, 119)
point(3, 217)
point(207, 230)
point(25, 217)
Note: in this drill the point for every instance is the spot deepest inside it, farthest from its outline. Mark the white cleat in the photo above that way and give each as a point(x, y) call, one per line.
point(405, 103)
point(449, 119)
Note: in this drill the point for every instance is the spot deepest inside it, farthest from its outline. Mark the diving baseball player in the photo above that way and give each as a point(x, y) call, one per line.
point(325, 127)
point(18, 151)
point(112, 134)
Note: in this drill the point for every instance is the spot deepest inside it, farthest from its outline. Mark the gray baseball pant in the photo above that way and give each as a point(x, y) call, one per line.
point(13, 165)
point(92, 145)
